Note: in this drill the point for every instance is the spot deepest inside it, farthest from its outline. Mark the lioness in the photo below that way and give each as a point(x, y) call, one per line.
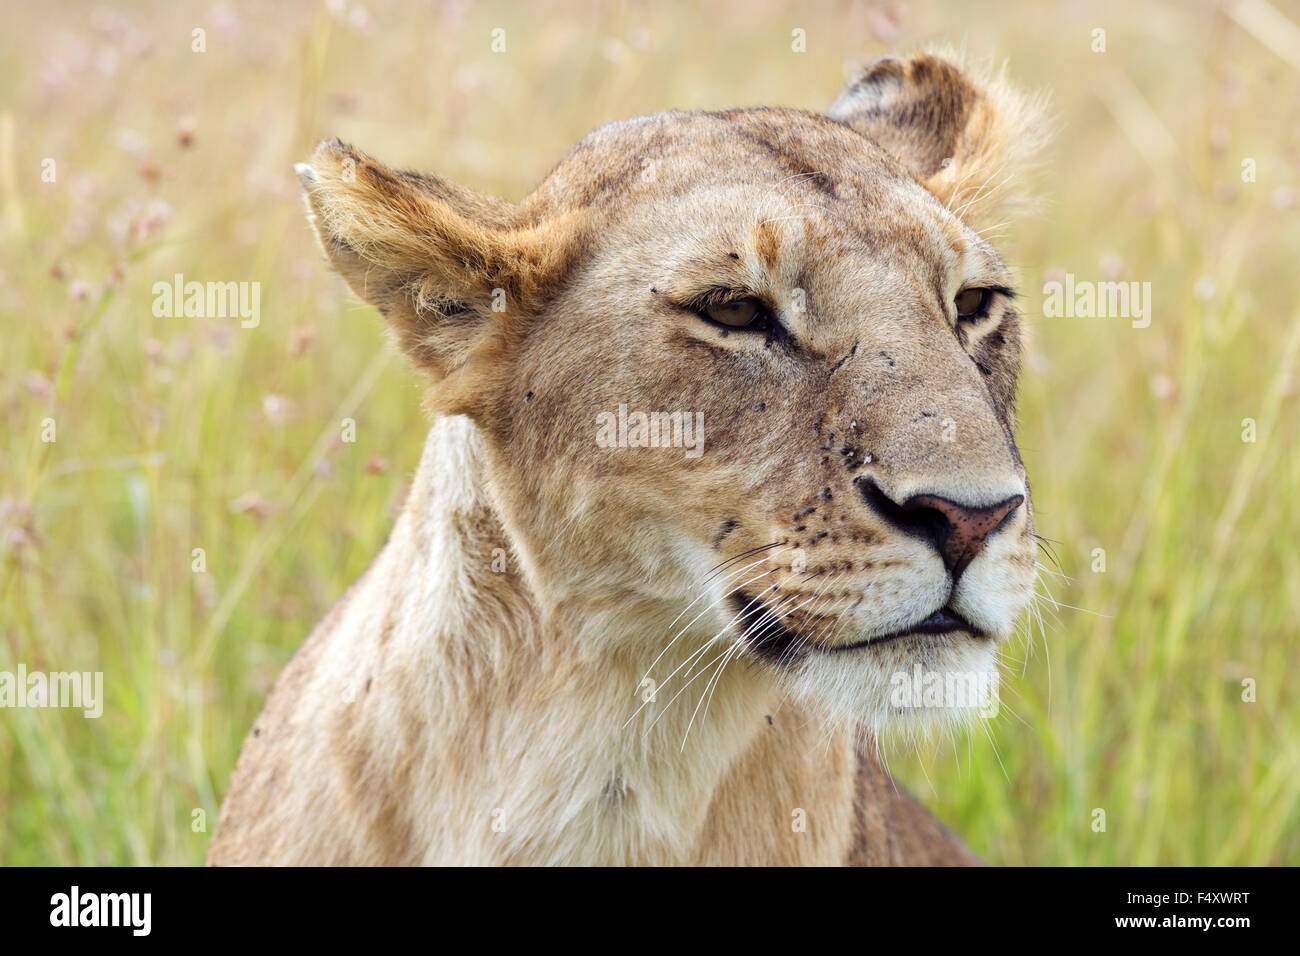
point(722, 447)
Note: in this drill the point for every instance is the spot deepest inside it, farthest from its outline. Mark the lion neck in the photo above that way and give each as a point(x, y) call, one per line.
point(539, 705)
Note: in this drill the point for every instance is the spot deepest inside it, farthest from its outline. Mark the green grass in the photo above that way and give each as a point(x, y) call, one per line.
point(1132, 436)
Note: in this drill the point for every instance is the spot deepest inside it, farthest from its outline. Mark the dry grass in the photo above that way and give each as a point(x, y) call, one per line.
point(175, 434)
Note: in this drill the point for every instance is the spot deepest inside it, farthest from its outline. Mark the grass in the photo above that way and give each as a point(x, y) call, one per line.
point(177, 434)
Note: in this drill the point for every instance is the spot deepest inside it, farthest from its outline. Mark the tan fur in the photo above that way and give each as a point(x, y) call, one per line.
point(477, 697)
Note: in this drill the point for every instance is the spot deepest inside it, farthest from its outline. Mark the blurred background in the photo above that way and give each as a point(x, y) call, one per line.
point(133, 148)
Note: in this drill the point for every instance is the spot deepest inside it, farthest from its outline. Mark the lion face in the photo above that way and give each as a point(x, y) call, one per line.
point(753, 367)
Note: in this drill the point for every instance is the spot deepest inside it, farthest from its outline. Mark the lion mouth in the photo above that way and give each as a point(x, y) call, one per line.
point(772, 640)
point(943, 621)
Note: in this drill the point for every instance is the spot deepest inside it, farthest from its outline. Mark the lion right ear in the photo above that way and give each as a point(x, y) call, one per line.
point(968, 136)
point(448, 268)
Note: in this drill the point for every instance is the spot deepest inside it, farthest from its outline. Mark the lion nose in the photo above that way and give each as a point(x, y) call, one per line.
point(957, 531)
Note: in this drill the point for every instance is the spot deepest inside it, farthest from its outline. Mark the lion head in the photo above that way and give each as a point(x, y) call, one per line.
point(754, 368)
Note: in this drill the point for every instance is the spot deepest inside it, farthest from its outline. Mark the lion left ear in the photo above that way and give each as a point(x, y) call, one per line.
point(452, 271)
point(968, 139)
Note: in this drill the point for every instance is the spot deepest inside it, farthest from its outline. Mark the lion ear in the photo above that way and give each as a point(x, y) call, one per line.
point(968, 138)
point(448, 268)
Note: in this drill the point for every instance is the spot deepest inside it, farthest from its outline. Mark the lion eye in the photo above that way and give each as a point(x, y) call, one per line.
point(738, 313)
point(972, 303)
